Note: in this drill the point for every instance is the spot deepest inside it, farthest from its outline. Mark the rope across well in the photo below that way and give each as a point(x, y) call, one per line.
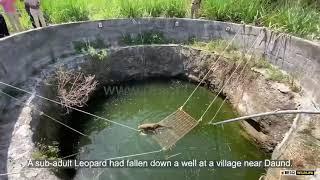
point(73, 108)
point(267, 114)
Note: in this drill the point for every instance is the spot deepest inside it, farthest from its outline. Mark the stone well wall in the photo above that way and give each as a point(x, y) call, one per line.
point(26, 54)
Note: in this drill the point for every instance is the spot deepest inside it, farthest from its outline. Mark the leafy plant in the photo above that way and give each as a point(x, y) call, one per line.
point(81, 46)
point(95, 54)
point(145, 38)
point(49, 152)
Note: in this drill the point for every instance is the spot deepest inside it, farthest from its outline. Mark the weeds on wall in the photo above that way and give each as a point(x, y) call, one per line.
point(49, 152)
point(84, 45)
point(232, 54)
point(94, 49)
point(214, 46)
point(151, 37)
point(94, 54)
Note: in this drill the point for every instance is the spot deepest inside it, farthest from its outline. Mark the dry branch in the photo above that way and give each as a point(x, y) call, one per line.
point(74, 88)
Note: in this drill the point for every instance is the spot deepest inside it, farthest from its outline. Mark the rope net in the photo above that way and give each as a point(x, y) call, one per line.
point(177, 125)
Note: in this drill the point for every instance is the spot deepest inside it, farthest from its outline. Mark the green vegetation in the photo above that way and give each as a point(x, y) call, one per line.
point(95, 49)
point(50, 152)
point(60, 11)
point(273, 73)
point(81, 46)
point(99, 54)
point(301, 18)
point(232, 54)
point(298, 17)
point(214, 46)
point(229, 51)
point(145, 38)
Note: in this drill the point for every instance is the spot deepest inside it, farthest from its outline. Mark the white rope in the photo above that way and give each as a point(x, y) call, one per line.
point(253, 44)
point(6, 174)
point(217, 112)
point(174, 155)
point(65, 157)
point(135, 155)
point(212, 67)
point(226, 99)
point(42, 113)
point(119, 157)
point(69, 106)
point(267, 114)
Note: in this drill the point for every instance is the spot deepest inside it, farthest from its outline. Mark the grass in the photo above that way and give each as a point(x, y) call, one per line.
point(276, 74)
point(214, 46)
point(95, 49)
point(79, 10)
point(297, 17)
point(145, 38)
point(59, 11)
point(97, 54)
point(301, 18)
point(248, 11)
point(303, 22)
point(230, 52)
point(84, 45)
point(50, 152)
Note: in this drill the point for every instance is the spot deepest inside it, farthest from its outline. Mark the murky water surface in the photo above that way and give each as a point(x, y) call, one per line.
point(151, 101)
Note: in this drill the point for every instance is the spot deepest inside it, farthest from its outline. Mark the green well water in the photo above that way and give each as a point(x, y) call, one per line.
point(151, 101)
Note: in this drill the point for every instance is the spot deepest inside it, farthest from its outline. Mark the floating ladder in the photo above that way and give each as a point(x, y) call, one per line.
point(180, 123)
point(177, 124)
